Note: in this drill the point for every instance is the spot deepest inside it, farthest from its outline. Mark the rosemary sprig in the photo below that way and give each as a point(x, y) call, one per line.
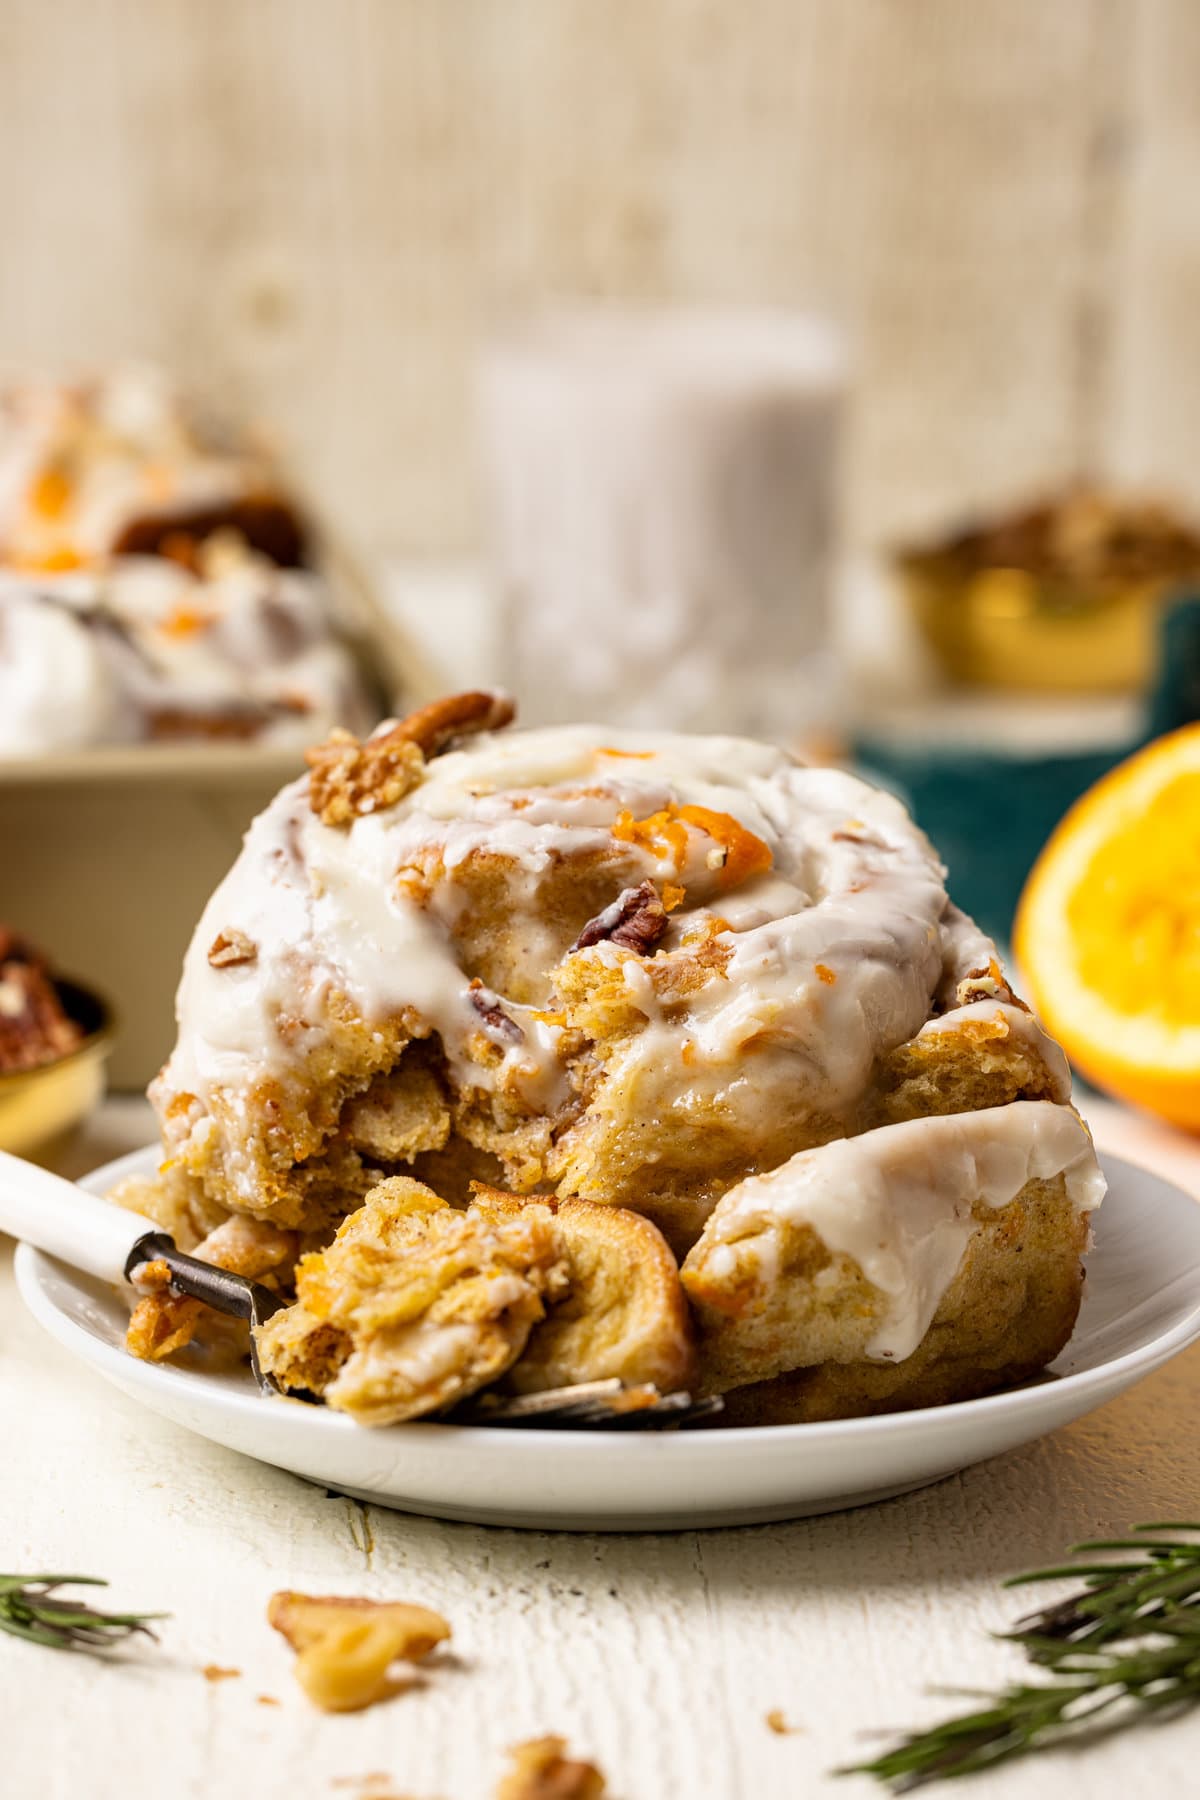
point(30, 1608)
point(1128, 1640)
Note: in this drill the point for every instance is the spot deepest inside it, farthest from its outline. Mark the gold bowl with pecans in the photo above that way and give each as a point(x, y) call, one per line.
point(1063, 597)
point(40, 1104)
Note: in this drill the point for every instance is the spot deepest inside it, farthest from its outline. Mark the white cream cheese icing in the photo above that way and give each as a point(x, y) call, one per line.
point(118, 446)
point(1013, 1022)
point(897, 1202)
point(326, 911)
point(836, 952)
point(96, 657)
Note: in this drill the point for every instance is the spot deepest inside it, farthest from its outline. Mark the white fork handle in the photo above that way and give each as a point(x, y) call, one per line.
point(67, 1221)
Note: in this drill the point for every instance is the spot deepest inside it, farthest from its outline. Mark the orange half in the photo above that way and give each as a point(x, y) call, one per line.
point(1108, 930)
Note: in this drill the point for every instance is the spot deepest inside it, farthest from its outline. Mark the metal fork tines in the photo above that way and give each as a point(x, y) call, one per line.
point(591, 1406)
point(225, 1292)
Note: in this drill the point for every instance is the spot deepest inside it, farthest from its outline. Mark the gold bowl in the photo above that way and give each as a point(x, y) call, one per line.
point(1007, 628)
point(40, 1104)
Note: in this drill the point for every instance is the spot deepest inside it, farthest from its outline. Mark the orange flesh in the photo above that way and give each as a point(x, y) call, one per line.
point(1135, 919)
point(1108, 930)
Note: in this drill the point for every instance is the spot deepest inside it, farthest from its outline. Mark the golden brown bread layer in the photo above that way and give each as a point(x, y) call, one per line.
point(414, 1305)
point(624, 1315)
point(1007, 1313)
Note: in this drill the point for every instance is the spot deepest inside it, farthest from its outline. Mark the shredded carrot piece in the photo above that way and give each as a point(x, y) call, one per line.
point(50, 493)
point(637, 755)
point(747, 855)
point(158, 481)
point(665, 834)
point(672, 895)
point(185, 621)
point(825, 974)
point(51, 562)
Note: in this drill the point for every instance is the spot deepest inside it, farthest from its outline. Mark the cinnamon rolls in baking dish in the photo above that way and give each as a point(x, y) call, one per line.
point(543, 1056)
point(159, 583)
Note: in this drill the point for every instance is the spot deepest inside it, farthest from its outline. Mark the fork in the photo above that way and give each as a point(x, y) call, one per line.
point(113, 1243)
point(592, 1405)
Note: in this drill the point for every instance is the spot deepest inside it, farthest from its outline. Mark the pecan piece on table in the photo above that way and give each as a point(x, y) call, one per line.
point(345, 1648)
point(635, 921)
point(542, 1770)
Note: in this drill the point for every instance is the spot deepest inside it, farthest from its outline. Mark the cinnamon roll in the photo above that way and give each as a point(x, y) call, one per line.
point(687, 978)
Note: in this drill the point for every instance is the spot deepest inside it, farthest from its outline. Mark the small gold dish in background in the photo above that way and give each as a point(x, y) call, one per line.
point(1061, 596)
point(1007, 628)
point(40, 1104)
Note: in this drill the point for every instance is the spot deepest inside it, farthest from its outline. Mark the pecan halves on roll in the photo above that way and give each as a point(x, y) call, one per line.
point(499, 1023)
point(635, 921)
point(349, 778)
point(435, 726)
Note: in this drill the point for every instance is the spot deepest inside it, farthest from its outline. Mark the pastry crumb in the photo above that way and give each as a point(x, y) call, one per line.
point(214, 1672)
point(375, 1786)
point(779, 1724)
point(267, 1700)
point(541, 1770)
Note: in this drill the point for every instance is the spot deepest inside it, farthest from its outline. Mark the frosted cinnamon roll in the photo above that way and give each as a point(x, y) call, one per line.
point(145, 650)
point(155, 579)
point(631, 968)
point(120, 464)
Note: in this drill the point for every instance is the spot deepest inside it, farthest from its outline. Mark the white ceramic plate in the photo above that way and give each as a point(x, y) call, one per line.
point(1142, 1306)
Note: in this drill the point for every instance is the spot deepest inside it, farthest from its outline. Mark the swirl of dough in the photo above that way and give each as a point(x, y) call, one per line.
point(632, 966)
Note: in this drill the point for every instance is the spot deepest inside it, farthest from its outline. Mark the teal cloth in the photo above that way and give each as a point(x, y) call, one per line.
point(990, 811)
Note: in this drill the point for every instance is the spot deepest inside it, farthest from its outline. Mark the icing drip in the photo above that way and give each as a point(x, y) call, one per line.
point(324, 905)
point(835, 953)
point(898, 1201)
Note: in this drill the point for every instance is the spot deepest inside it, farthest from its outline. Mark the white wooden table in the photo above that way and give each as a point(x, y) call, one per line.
point(660, 1656)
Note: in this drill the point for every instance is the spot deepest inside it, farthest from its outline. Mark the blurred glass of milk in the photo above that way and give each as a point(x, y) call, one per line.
point(663, 494)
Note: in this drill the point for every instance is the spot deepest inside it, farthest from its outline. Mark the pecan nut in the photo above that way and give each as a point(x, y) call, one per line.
point(635, 921)
point(435, 726)
point(231, 947)
point(542, 1770)
point(498, 1023)
point(348, 779)
point(986, 984)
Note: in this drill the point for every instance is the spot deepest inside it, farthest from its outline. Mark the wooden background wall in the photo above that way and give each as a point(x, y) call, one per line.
point(319, 206)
